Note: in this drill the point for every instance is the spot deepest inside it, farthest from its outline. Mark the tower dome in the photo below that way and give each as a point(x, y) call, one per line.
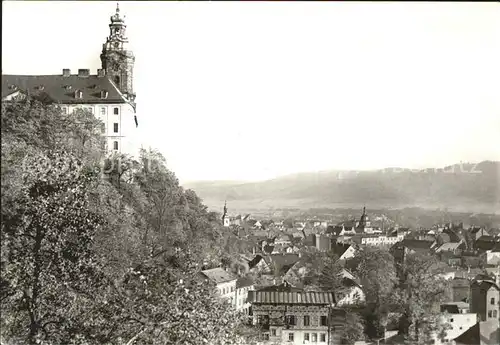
point(115, 18)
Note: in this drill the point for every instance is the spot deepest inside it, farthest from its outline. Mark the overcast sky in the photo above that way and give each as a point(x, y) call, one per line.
point(249, 90)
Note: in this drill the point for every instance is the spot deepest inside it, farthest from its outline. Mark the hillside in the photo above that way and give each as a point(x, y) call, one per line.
point(466, 187)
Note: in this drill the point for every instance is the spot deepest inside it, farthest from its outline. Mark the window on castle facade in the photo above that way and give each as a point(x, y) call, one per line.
point(306, 336)
point(290, 337)
point(492, 301)
point(314, 337)
point(116, 111)
point(322, 337)
point(115, 127)
point(103, 111)
point(494, 313)
point(115, 145)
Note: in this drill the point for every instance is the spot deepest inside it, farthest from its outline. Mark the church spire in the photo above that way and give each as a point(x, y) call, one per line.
point(362, 221)
point(225, 209)
point(225, 219)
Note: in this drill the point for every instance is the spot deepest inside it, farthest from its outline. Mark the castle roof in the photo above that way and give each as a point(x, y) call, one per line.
point(61, 89)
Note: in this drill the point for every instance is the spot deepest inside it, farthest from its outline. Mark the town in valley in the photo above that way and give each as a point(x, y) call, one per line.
point(103, 244)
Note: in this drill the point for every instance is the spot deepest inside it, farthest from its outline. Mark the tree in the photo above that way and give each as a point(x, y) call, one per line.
point(164, 301)
point(329, 275)
point(352, 330)
point(47, 236)
point(418, 297)
point(376, 270)
point(94, 260)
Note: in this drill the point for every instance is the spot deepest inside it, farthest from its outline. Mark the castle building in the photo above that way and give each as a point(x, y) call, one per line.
point(109, 94)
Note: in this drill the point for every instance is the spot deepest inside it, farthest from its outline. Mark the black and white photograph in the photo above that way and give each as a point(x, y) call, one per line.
point(250, 173)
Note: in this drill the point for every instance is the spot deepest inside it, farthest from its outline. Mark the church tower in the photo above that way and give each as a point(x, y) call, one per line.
point(116, 58)
point(225, 217)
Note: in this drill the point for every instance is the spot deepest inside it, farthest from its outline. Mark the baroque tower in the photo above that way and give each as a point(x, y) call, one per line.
point(225, 217)
point(116, 58)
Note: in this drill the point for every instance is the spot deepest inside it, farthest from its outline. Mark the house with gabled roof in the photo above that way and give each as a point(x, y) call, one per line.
point(451, 247)
point(485, 299)
point(224, 281)
point(343, 250)
point(477, 232)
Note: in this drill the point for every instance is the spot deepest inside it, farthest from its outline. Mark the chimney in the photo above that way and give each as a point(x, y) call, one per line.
point(83, 73)
point(66, 72)
point(101, 72)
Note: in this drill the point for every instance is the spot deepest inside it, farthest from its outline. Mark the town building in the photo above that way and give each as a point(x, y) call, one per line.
point(109, 94)
point(224, 281)
point(485, 299)
point(458, 323)
point(243, 286)
point(352, 294)
point(485, 302)
point(377, 240)
point(344, 251)
point(288, 315)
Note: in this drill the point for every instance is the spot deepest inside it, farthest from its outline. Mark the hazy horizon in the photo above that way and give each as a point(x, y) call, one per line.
point(250, 91)
point(338, 170)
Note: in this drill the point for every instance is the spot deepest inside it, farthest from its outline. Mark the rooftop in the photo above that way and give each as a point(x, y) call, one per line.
point(243, 282)
point(470, 337)
point(62, 89)
point(218, 275)
point(282, 297)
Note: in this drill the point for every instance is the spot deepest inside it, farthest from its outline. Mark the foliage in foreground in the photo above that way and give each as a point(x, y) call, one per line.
point(100, 249)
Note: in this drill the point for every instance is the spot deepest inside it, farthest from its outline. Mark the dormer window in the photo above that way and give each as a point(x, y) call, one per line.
point(104, 94)
point(12, 87)
point(78, 94)
point(68, 87)
point(40, 87)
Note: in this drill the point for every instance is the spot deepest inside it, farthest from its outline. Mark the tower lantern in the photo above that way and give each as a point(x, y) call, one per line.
point(116, 58)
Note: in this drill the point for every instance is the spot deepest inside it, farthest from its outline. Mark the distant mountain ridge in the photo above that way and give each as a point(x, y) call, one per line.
point(468, 186)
